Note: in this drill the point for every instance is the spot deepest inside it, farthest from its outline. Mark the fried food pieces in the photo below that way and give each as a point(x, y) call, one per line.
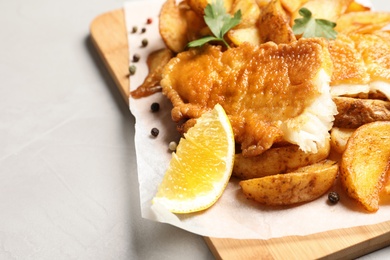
point(358, 68)
point(156, 62)
point(355, 112)
point(270, 92)
point(359, 83)
point(303, 185)
point(366, 162)
point(361, 78)
point(277, 160)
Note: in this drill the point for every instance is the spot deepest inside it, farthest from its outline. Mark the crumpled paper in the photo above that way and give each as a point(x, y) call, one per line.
point(233, 216)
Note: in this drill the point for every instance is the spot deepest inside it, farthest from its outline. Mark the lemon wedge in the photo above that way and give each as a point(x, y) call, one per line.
point(200, 170)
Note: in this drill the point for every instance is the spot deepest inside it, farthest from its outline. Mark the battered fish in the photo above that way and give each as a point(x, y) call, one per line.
point(271, 93)
point(361, 64)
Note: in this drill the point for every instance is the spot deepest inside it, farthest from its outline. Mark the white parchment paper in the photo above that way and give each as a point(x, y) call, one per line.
point(233, 216)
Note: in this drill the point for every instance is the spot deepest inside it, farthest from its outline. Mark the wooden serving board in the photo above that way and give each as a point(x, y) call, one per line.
point(109, 36)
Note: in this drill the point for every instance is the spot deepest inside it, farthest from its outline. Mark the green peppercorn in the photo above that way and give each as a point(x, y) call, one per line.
point(144, 42)
point(132, 69)
point(134, 30)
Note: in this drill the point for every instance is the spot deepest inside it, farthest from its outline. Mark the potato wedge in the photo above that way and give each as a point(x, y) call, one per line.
point(355, 112)
point(292, 5)
point(239, 36)
point(276, 160)
point(365, 163)
point(274, 24)
point(357, 7)
point(339, 138)
point(199, 5)
point(362, 22)
point(324, 9)
point(305, 184)
point(250, 12)
point(386, 187)
point(195, 25)
point(173, 26)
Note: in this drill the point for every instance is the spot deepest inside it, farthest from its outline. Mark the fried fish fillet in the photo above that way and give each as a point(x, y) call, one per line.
point(349, 76)
point(375, 50)
point(271, 93)
point(361, 64)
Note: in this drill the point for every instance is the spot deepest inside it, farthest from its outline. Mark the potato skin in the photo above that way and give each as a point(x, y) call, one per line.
point(173, 26)
point(303, 185)
point(339, 138)
point(274, 24)
point(355, 112)
point(365, 162)
point(276, 160)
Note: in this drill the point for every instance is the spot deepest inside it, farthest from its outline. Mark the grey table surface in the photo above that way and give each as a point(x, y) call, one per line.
point(68, 181)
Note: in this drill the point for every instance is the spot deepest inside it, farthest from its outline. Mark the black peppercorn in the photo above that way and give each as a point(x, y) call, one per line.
point(143, 30)
point(333, 197)
point(155, 107)
point(144, 42)
point(154, 132)
point(136, 57)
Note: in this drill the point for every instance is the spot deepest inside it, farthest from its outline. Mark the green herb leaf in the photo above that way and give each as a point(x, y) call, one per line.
point(201, 41)
point(219, 23)
point(310, 27)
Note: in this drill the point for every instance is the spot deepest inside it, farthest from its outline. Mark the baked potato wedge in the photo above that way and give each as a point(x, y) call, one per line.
point(365, 162)
point(276, 160)
point(292, 5)
point(303, 185)
point(274, 25)
point(239, 36)
point(324, 9)
point(339, 138)
point(173, 25)
point(250, 12)
point(386, 187)
point(357, 7)
point(362, 22)
point(199, 5)
point(355, 112)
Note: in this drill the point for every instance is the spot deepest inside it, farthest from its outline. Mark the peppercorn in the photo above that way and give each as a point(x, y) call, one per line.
point(149, 21)
point(144, 42)
point(132, 69)
point(333, 197)
point(143, 30)
point(134, 30)
point(154, 132)
point(136, 57)
point(155, 107)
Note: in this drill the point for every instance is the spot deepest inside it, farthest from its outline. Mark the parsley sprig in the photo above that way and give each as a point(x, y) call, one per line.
point(219, 23)
point(310, 27)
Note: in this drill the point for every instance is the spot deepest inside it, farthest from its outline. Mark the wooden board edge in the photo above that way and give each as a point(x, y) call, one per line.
point(109, 37)
point(347, 243)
